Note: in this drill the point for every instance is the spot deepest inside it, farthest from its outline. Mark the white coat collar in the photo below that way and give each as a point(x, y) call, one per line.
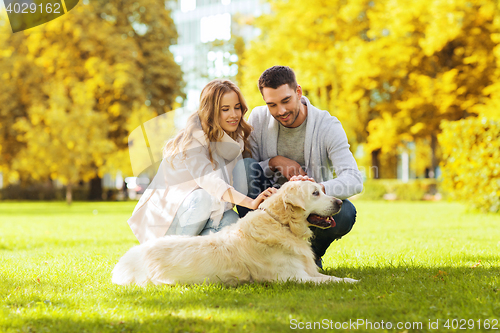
point(225, 147)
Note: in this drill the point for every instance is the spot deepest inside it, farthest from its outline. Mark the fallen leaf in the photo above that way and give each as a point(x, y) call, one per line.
point(477, 264)
point(440, 275)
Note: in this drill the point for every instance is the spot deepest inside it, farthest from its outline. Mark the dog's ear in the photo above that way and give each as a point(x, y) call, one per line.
point(295, 199)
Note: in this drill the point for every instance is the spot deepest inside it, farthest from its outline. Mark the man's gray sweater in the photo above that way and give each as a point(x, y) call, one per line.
point(326, 149)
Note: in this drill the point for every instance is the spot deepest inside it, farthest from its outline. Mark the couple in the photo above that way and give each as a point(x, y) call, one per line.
point(219, 160)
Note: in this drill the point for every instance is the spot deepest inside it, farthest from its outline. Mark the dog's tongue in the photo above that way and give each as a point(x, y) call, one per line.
point(322, 222)
point(332, 221)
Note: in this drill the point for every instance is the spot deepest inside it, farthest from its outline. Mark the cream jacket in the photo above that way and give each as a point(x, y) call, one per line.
point(157, 207)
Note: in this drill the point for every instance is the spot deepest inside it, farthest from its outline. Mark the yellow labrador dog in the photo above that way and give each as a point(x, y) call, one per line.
point(268, 244)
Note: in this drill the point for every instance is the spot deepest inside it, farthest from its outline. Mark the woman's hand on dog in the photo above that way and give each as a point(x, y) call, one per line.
point(263, 196)
point(237, 198)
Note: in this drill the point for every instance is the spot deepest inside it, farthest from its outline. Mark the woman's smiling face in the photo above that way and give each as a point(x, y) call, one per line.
point(230, 112)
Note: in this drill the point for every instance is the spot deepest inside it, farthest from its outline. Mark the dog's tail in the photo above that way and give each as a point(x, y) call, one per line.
point(130, 268)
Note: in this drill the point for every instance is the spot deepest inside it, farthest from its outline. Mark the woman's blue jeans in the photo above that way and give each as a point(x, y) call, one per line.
point(257, 182)
point(193, 216)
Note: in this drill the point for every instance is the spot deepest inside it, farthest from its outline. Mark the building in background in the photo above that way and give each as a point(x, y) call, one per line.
point(209, 33)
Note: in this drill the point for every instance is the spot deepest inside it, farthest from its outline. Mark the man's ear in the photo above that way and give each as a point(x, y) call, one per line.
point(299, 91)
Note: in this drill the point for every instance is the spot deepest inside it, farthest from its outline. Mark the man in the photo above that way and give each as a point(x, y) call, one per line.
point(293, 140)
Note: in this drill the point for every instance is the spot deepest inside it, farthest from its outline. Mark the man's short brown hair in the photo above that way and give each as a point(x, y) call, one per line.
point(277, 76)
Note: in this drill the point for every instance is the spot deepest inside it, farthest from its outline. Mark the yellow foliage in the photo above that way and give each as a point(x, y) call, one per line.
point(71, 87)
point(390, 70)
point(471, 163)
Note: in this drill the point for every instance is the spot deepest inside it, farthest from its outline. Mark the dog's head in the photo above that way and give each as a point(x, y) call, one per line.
point(301, 204)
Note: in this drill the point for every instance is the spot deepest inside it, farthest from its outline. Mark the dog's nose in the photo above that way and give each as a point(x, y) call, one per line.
point(339, 202)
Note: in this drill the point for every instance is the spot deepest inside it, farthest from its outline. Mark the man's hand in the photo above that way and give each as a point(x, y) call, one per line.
point(286, 167)
point(305, 178)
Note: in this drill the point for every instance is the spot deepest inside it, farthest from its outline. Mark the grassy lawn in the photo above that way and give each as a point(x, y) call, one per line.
point(418, 263)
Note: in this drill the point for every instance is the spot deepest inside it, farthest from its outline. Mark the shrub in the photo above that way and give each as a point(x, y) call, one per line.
point(373, 190)
point(411, 191)
point(471, 161)
point(415, 189)
point(41, 192)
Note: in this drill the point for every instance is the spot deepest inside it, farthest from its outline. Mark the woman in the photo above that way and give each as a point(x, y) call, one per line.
point(192, 192)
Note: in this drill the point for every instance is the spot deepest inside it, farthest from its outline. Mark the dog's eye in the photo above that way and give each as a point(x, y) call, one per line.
point(316, 193)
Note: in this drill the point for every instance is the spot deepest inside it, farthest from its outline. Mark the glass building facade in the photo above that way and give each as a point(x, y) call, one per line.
point(208, 30)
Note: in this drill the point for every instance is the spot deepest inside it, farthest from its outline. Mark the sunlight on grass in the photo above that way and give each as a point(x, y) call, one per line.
point(416, 261)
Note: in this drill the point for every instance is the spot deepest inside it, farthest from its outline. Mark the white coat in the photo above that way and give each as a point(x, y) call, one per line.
point(157, 207)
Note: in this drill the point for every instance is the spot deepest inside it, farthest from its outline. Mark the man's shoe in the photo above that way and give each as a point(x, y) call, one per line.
point(319, 262)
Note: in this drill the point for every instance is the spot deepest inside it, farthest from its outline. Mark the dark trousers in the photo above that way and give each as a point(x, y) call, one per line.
point(344, 220)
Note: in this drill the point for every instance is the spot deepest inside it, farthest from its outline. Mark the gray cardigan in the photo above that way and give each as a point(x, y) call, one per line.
point(326, 149)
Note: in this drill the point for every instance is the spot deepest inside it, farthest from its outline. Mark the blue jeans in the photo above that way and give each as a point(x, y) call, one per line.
point(252, 183)
point(193, 216)
point(257, 182)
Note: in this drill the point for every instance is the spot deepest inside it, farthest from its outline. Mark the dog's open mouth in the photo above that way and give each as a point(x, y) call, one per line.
point(321, 221)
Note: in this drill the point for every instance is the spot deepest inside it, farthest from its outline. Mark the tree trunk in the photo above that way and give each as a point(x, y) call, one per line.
point(434, 163)
point(69, 193)
point(374, 170)
point(95, 193)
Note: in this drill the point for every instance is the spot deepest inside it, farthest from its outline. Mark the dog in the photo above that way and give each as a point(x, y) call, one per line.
point(268, 244)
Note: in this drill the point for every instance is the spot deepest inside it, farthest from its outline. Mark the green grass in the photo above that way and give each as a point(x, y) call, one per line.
point(418, 262)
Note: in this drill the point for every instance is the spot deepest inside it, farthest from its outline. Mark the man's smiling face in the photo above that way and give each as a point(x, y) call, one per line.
point(284, 104)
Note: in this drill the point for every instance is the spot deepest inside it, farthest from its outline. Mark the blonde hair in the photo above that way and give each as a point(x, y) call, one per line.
point(208, 119)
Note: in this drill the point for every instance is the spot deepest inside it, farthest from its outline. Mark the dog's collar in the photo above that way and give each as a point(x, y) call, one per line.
point(264, 210)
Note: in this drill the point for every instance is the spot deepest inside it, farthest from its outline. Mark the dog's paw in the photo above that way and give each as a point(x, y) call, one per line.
point(348, 280)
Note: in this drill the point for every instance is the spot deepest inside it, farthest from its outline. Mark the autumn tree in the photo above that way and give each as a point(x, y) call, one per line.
point(78, 85)
point(446, 60)
point(471, 151)
point(391, 71)
point(318, 43)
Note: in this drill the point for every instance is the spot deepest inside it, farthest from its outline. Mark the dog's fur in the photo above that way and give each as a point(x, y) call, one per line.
point(268, 244)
